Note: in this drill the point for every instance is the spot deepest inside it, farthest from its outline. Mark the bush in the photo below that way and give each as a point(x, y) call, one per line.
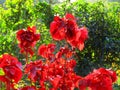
point(102, 20)
point(55, 68)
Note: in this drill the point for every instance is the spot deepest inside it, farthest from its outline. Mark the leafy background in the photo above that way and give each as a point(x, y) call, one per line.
point(102, 19)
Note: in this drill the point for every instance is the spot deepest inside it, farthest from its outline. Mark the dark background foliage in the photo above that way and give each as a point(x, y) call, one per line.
point(102, 19)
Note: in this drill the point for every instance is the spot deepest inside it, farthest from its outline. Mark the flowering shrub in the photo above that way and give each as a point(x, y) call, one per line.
point(55, 70)
point(27, 39)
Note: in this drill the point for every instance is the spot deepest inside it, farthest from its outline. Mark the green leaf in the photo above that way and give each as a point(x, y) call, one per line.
point(118, 81)
point(2, 73)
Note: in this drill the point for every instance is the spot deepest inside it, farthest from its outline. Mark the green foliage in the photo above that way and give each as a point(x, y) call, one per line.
point(44, 13)
point(103, 22)
point(2, 73)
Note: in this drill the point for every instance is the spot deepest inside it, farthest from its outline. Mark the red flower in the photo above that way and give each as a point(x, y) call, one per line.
point(27, 39)
point(100, 79)
point(57, 29)
point(71, 27)
point(112, 75)
point(12, 69)
point(61, 75)
point(33, 69)
point(69, 81)
point(71, 64)
point(46, 51)
point(81, 36)
point(62, 28)
point(66, 28)
point(37, 71)
point(69, 16)
point(64, 51)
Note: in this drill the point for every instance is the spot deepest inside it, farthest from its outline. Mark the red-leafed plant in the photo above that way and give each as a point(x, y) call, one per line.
point(55, 70)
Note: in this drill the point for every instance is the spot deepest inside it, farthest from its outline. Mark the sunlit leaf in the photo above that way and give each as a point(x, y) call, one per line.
point(2, 73)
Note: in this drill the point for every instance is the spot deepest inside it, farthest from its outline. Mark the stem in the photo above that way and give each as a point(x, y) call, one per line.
point(77, 55)
point(7, 86)
point(0, 84)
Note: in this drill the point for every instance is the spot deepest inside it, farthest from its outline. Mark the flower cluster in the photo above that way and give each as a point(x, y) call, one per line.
point(27, 39)
point(67, 28)
point(46, 51)
point(60, 74)
point(12, 69)
point(100, 79)
point(55, 69)
point(57, 75)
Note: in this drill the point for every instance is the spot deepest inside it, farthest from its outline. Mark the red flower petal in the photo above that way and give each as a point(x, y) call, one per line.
point(46, 51)
point(57, 30)
point(71, 30)
point(82, 34)
point(57, 18)
point(42, 50)
point(19, 33)
point(55, 82)
point(32, 29)
point(80, 46)
point(69, 16)
point(13, 73)
point(100, 79)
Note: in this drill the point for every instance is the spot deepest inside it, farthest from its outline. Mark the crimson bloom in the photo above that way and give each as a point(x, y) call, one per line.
point(67, 28)
point(100, 79)
point(37, 72)
point(27, 39)
point(33, 69)
point(12, 68)
point(57, 29)
point(46, 51)
point(64, 51)
point(61, 75)
point(80, 37)
point(62, 28)
point(71, 27)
